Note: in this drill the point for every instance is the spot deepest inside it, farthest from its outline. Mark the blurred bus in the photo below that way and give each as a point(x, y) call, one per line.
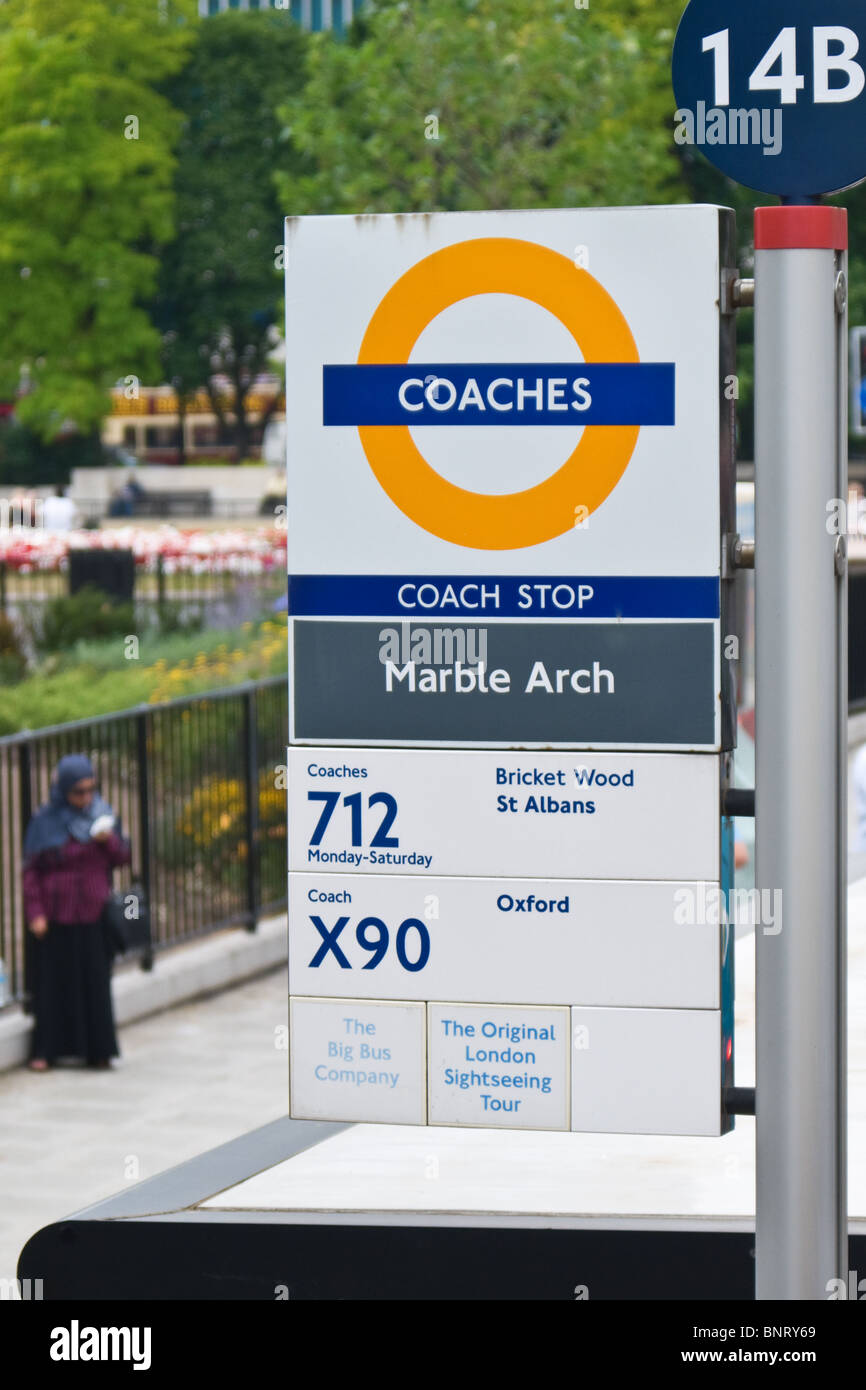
point(147, 421)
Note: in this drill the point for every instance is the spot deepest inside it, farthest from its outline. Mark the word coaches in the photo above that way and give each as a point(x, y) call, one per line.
point(503, 394)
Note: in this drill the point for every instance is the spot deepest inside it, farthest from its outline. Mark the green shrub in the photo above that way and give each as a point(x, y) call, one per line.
point(88, 614)
point(10, 671)
point(13, 659)
point(175, 616)
point(92, 677)
point(81, 693)
point(26, 460)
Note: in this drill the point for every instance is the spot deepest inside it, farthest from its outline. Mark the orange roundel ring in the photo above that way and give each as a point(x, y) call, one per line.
point(498, 265)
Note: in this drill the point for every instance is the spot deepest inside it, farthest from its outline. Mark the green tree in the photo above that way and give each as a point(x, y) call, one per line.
point(536, 106)
point(220, 283)
point(462, 104)
point(85, 194)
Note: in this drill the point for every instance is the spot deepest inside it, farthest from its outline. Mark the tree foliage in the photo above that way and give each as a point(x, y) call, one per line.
point(85, 192)
point(426, 104)
point(463, 104)
point(220, 280)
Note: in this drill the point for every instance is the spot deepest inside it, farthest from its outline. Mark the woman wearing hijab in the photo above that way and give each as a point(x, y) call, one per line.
point(67, 879)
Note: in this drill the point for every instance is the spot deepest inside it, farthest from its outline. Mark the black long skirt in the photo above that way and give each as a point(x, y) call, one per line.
point(71, 993)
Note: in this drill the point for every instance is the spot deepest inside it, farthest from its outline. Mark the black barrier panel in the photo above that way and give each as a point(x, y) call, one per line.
point(199, 1256)
point(113, 571)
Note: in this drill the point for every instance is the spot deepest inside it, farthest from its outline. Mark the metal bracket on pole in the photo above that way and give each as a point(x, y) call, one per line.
point(738, 801)
point(737, 555)
point(740, 1100)
point(735, 292)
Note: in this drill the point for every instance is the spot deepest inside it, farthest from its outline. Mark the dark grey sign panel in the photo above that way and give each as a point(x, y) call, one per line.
point(556, 683)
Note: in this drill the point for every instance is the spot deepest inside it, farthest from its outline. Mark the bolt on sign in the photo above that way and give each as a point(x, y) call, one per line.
point(510, 472)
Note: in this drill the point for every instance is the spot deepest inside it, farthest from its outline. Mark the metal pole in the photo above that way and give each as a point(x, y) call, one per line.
point(141, 755)
point(26, 804)
point(800, 373)
point(251, 779)
point(160, 585)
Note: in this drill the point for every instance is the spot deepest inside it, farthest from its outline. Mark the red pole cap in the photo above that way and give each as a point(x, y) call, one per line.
point(810, 228)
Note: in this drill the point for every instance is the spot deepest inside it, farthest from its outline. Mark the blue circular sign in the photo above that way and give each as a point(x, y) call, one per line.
point(773, 92)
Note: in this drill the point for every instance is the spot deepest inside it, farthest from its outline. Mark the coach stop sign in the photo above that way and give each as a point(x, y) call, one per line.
point(509, 476)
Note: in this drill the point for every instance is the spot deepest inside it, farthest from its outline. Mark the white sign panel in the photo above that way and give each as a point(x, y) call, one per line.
point(353, 1060)
point(509, 471)
point(491, 815)
point(647, 1071)
point(479, 476)
point(504, 439)
point(629, 1071)
point(542, 941)
point(498, 1066)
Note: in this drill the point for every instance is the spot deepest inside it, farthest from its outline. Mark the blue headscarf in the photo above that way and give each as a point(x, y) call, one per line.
point(55, 822)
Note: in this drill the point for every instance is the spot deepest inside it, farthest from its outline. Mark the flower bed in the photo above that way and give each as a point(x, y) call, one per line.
point(29, 551)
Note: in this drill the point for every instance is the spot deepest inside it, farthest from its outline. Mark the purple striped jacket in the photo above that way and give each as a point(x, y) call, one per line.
point(71, 883)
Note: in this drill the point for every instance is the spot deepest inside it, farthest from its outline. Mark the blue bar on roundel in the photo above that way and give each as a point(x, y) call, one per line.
point(499, 393)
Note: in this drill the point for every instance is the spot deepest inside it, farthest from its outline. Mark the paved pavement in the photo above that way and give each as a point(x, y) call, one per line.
point(189, 1079)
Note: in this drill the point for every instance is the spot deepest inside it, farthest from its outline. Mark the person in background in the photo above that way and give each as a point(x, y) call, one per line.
point(122, 502)
point(59, 512)
point(70, 848)
point(135, 489)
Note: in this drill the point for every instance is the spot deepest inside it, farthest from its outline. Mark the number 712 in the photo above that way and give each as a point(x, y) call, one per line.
point(381, 839)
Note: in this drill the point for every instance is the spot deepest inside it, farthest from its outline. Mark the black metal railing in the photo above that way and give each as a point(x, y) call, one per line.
point(23, 587)
point(198, 785)
point(157, 580)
